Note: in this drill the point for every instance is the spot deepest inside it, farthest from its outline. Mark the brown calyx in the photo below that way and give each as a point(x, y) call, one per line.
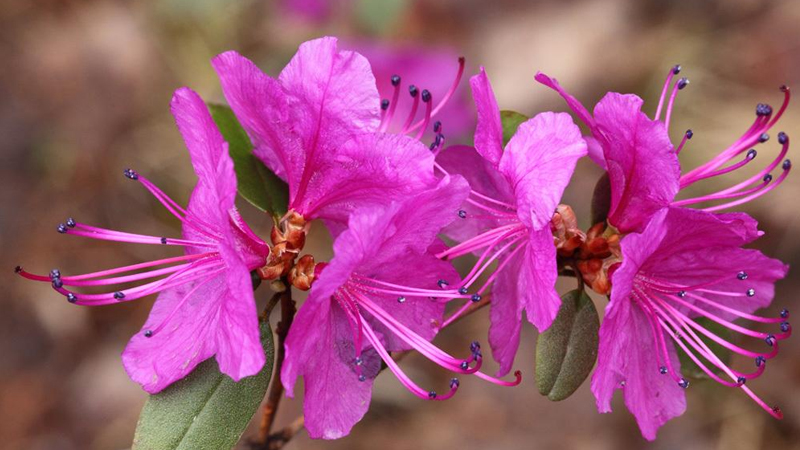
point(591, 254)
point(303, 273)
point(288, 238)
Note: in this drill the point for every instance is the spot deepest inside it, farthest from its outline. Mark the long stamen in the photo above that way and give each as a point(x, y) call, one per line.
point(787, 166)
point(478, 242)
point(676, 69)
point(414, 92)
point(428, 100)
point(686, 136)
point(387, 119)
point(80, 229)
point(679, 85)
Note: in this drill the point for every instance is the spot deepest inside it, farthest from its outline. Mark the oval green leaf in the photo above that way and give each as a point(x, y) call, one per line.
point(511, 120)
point(567, 351)
point(207, 409)
point(256, 183)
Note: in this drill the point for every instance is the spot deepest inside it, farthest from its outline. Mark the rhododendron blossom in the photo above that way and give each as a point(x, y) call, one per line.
point(685, 265)
point(383, 291)
point(514, 194)
point(321, 126)
point(205, 307)
point(642, 163)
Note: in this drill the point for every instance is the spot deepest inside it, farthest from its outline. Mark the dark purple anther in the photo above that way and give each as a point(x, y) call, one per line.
point(426, 95)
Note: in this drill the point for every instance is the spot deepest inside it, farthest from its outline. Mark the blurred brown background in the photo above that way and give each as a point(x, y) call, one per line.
point(85, 87)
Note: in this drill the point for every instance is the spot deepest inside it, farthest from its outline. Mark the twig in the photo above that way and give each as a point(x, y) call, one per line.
point(275, 393)
point(277, 440)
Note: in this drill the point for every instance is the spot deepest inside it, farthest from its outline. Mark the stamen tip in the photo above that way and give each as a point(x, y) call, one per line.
point(426, 95)
point(462, 214)
point(119, 295)
point(164, 240)
point(763, 138)
point(682, 83)
point(454, 383)
point(762, 109)
point(401, 299)
point(785, 327)
point(787, 164)
point(413, 90)
point(442, 283)
point(663, 370)
point(784, 88)
point(742, 275)
point(148, 333)
point(770, 340)
point(57, 283)
point(684, 383)
point(689, 133)
point(475, 298)
point(750, 292)
point(681, 294)
point(782, 138)
point(18, 269)
point(395, 80)
point(751, 154)
point(741, 381)
point(437, 126)
point(462, 60)
point(784, 313)
point(72, 298)
point(131, 174)
point(432, 395)
point(384, 104)
point(778, 413)
point(463, 290)
point(760, 361)
point(676, 69)
point(62, 228)
point(71, 222)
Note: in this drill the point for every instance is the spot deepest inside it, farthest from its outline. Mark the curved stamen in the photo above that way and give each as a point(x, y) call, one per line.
point(787, 168)
point(398, 372)
point(414, 92)
point(387, 119)
point(679, 85)
point(428, 100)
point(674, 70)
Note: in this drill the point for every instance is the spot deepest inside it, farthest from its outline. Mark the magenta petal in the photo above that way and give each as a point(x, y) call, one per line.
point(484, 179)
point(626, 361)
point(595, 150)
point(489, 132)
point(334, 90)
point(539, 161)
point(642, 164)
point(370, 169)
point(261, 107)
point(537, 279)
point(572, 102)
point(505, 317)
point(318, 347)
point(700, 247)
point(193, 334)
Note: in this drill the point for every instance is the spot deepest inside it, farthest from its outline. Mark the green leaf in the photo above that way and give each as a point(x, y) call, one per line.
point(567, 351)
point(257, 184)
point(511, 120)
point(206, 409)
point(689, 368)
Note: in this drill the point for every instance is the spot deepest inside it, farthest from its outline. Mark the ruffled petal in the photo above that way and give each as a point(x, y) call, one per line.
point(539, 161)
point(643, 167)
point(369, 170)
point(626, 361)
point(483, 178)
point(489, 132)
point(320, 348)
point(537, 279)
point(572, 102)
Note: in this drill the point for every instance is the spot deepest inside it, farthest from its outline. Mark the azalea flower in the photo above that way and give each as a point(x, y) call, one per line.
point(684, 266)
point(205, 305)
point(642, 163)
point(383, 291)
point(514, 193)
point(321, 126)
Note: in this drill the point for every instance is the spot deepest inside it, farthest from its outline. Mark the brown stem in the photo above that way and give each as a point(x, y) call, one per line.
point(275, 393)
point(277, 440)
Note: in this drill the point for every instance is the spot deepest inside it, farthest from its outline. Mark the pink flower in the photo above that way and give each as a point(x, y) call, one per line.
point(205, 307)
point(383, 291)
point(685, 265)
point(321, 126)
point(642, 163)
point(514, 193)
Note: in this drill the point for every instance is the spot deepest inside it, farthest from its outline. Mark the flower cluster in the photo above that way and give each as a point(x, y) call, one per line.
point(392, 202)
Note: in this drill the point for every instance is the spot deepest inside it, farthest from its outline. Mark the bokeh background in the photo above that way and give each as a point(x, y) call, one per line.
point(85, 87)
